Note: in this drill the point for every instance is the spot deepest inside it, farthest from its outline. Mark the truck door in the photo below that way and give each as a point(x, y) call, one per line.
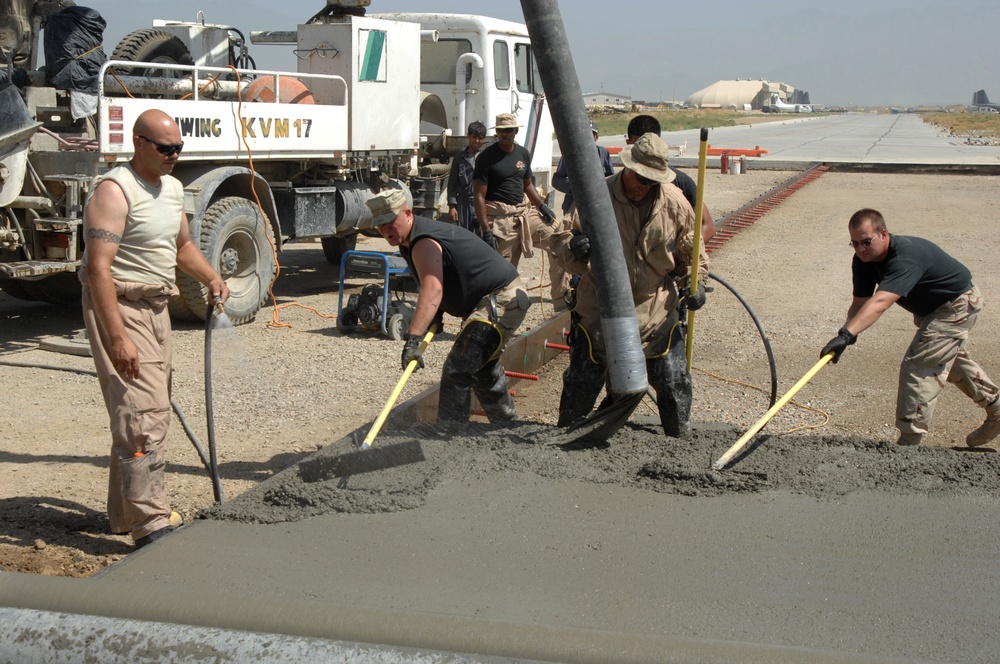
point(518, 89)
point(532, 111)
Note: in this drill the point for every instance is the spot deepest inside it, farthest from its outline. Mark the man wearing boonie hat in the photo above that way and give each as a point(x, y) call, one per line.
point(504, 193)
point(643, 124)
point(656, 224)
point(460, 275)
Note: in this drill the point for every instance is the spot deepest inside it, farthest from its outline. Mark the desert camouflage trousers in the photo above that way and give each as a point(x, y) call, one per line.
point(936, 356)
point(518, 230)
point(139, 409)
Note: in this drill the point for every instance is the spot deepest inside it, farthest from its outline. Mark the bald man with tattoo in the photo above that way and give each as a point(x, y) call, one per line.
point(137, 235)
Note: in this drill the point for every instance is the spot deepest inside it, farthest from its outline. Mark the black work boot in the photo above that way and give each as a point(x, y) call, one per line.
point(471, 352)
point(669, 377)
point(491, 390)
point(583, 381)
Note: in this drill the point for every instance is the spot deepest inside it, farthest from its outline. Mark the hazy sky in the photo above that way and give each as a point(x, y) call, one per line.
point(863, 52)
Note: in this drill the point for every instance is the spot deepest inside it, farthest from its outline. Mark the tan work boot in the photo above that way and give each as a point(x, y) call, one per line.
point(176, 520)
point(910, 439)
point(989, 429)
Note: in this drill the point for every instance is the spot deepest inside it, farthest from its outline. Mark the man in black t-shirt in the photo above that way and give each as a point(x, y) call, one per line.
point(919, 276)
point(504, 192)
point(461, 276)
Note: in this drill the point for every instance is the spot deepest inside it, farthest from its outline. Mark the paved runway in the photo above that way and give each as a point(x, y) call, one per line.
point(854, 138)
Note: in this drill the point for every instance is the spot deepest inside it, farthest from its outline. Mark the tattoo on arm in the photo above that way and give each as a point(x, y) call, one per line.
point(104, 235)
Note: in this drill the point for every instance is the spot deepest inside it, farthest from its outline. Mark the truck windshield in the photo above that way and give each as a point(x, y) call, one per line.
point(437, 60)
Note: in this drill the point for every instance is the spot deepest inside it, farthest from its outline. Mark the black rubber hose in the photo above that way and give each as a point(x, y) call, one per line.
point(627, 375)
point(763, 336)
point(209, 415)
point(192, 436)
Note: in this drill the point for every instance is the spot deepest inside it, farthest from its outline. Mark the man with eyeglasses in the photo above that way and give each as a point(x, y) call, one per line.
point(656, 225)
point(504, 193)
point(920, 277)
point(136, 235)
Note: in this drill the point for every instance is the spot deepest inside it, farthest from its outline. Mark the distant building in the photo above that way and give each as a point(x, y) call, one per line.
point(745, 95)
point(606, 99)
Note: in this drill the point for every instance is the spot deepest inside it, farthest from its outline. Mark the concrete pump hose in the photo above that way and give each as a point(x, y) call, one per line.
point(627, 375)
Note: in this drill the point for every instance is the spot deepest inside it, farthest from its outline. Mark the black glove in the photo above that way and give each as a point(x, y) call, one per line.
point(411, 352)
point(547, 214)
point(696, 300)
point(490, 239)
point(580, 246)
point(837, 345)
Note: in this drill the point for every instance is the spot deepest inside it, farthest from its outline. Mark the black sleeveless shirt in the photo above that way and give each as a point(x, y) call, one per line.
point(472, 268)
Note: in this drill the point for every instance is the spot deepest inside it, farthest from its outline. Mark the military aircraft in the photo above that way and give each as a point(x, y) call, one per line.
point(778, 106)
point(980, 100)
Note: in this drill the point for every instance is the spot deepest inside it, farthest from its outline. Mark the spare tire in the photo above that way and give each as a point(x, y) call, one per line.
point(153, 46)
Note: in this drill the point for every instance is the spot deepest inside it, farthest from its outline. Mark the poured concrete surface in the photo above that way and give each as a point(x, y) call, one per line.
point(828, 544)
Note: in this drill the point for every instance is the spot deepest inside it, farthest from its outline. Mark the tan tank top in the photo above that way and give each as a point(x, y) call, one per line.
point(148, 250)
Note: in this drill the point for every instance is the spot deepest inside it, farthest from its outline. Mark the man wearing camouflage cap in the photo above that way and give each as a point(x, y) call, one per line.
point(656, 225)
point(462, 276)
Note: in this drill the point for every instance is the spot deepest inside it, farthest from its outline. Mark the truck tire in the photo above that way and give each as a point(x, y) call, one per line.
point(15, 288)
point(151, 45)
point(63, 288)
point(237, 241)
point(180, 311)
point(334, 248)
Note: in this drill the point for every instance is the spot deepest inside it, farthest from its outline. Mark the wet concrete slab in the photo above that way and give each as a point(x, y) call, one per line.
point(823, 544)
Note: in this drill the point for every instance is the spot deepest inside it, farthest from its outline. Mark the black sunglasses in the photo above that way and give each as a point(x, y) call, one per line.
point(644, 181)
point(164, 149)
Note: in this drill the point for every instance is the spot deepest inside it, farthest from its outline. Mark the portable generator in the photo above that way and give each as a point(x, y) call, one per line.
point(379, 306)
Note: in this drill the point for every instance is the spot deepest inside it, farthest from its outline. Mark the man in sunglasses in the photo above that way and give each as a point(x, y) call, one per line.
point(136, 236)
point(643, 124)
point(656, 225)
point(919, 276)
point(504, 193)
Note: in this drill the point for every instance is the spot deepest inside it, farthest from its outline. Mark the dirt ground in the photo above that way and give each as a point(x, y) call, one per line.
point(282, 393)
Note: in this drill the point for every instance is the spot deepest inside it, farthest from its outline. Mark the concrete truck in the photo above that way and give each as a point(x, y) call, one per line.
point(376, 100)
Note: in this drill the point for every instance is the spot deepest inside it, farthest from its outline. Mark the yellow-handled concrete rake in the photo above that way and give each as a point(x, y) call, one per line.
point(739, 444)
point(366, 458)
